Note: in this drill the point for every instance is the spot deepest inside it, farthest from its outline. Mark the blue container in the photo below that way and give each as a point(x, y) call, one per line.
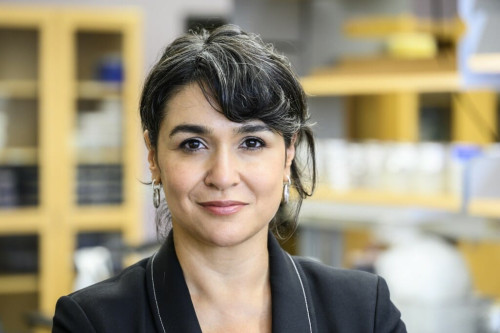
point(111, 69)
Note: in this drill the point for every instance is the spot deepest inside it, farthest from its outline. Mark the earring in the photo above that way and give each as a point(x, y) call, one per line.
point(156, 193)
point(286, 190)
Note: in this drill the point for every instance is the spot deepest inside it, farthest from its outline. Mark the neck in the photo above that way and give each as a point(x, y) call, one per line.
point(229, 285)
point(213, 272)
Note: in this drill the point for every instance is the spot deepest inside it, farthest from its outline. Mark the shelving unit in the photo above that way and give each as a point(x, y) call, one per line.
point(383, 102)
point(51, 70)
point(383, 99)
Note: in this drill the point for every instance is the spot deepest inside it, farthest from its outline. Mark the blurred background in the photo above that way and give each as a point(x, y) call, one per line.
point(404, 94)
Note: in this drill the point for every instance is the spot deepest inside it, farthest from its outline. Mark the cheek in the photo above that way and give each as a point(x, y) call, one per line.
point(177, 179)
point(267, 177)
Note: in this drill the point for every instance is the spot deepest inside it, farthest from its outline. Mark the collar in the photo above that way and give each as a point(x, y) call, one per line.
point(174, 311)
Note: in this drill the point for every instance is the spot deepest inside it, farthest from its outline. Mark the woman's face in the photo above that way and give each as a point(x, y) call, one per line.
point(223, 180)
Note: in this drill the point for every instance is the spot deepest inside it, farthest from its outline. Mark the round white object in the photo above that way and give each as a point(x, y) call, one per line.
point(425, 270)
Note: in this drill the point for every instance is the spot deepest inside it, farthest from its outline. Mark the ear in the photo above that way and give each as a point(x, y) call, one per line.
point(153, 163)
point(290, 155)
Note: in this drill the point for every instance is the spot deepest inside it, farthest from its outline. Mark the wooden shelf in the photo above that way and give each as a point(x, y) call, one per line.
point(102, 155)
point(99, 90)
point(485, 207)
point(384, 198)
point(100, 218)
point(19, 156)
point(375, 75)
point(360, 84)
point(18, 283)
point(15, 220)
point(19, 88)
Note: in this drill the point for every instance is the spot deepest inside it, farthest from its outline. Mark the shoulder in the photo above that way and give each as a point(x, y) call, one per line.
point(337, 280)
point(353, 300)
point(108, 304)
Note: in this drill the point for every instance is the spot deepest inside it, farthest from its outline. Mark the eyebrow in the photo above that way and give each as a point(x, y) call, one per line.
point(203, 130)
point(190, 128)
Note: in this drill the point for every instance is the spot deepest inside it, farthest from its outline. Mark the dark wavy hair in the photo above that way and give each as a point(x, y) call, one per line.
point(244, 79)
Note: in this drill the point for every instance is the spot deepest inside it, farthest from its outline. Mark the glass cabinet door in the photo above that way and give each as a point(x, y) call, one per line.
point(19, 113)
point(99, 118)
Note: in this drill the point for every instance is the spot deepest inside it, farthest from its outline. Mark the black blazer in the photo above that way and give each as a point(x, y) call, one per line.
point(152, 296)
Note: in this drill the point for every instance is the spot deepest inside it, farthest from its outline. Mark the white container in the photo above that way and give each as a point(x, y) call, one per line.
point(111, 122)
point(375, 159)
point(357, 164)
point(400, 168)
point(431, 167)
point(102, 127)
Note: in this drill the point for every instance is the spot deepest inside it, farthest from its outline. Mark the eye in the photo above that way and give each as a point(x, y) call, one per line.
point(191, 145)
point(253, 143)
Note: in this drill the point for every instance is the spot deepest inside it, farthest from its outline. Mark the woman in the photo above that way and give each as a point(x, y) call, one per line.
point(223, 115)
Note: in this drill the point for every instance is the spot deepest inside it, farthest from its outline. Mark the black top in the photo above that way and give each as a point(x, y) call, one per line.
point(152, 296)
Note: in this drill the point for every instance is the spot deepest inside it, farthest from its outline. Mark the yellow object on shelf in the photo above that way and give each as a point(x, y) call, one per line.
point(383, 26)
point(379, 26)
point(412, 45)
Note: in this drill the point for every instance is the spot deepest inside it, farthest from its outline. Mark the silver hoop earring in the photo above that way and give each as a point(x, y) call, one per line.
point(156, 193)
point(286, 190)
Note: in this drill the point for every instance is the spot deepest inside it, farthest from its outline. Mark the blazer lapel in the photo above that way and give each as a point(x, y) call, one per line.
point(168, 293)
point(174, 312)
point(290, 311)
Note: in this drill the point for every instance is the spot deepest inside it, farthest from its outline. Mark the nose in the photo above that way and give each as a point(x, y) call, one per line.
point(223, 169)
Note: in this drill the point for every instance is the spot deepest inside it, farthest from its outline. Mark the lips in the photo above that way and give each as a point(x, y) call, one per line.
point(225, 207)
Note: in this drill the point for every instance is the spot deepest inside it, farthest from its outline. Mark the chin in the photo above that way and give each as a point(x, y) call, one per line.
point(233, 237)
